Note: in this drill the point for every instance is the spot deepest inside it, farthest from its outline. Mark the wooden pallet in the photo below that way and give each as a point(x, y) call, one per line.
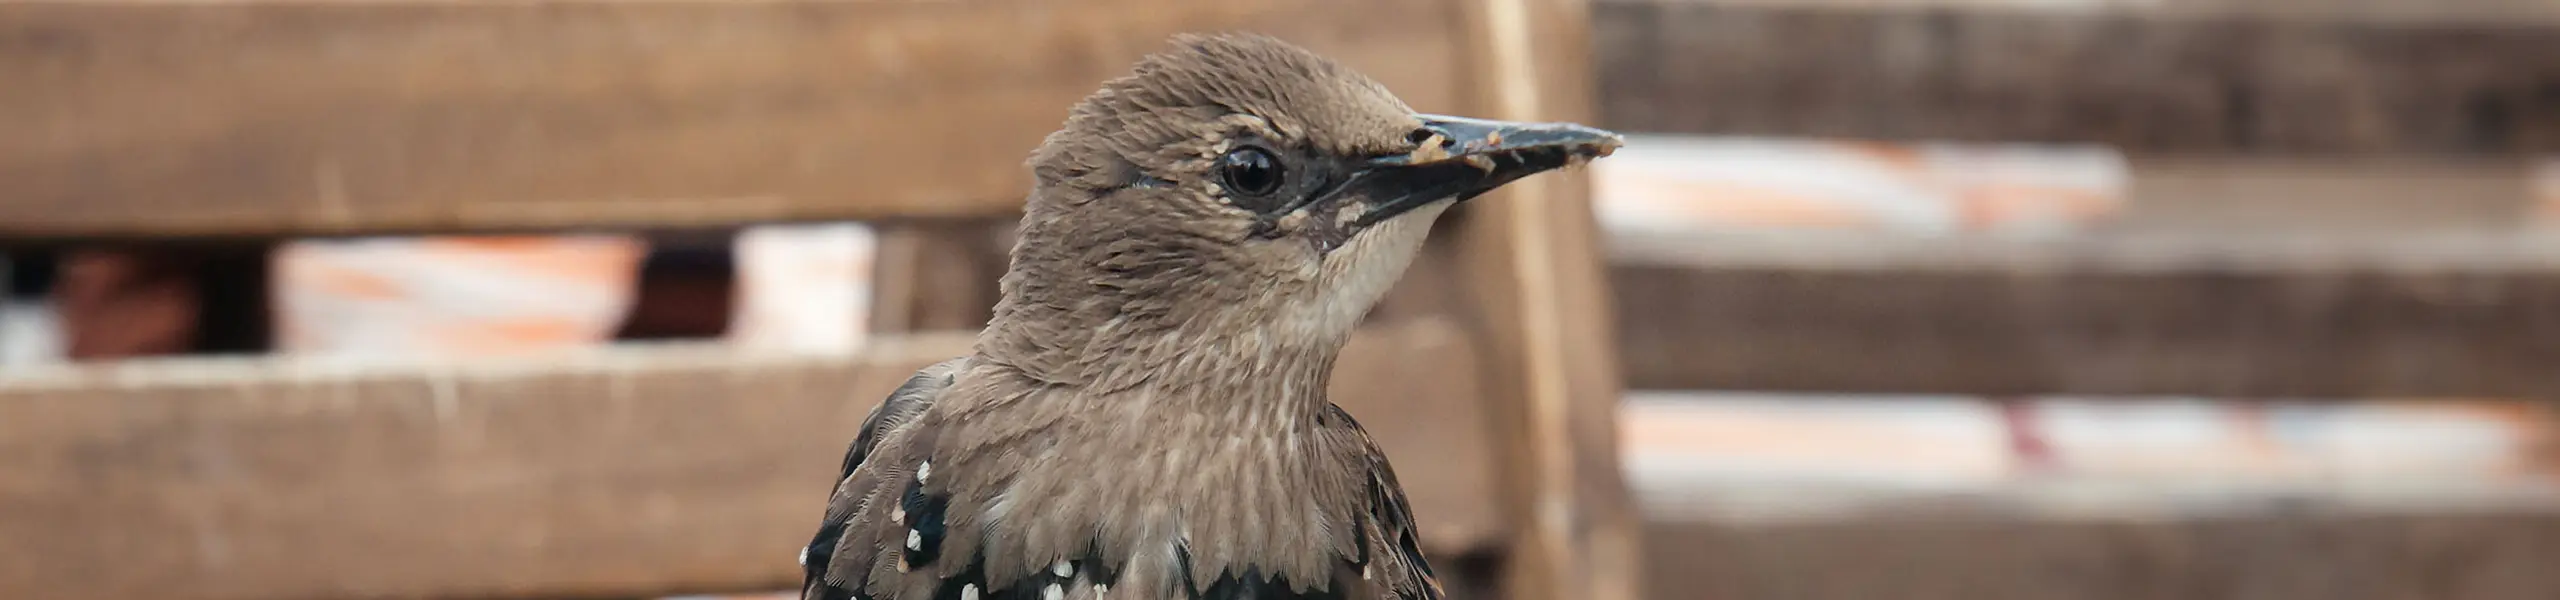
point(2316, 208)
point(2327, 201)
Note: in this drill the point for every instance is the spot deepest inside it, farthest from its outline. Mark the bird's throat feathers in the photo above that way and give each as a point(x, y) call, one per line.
point(1183, 322)
point(1218, 365)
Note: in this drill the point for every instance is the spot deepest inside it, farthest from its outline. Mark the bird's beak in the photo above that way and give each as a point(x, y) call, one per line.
point(1461, 158)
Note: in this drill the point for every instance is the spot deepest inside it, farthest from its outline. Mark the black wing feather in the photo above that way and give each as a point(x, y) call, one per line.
point(903, 404)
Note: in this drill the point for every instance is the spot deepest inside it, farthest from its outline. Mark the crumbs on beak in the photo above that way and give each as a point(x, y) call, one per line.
point(1429, 149)
point(1583, 155)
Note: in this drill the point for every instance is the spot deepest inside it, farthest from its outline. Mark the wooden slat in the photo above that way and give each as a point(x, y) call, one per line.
point(1529, 261)
point(271, 117)
point(2419, 11)
point(628, 471)
point(2456, 555)
point(2262, 317)
point(2247, 197)
point(2190, 81)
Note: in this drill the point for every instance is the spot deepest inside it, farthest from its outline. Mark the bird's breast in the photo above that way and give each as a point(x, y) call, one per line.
point(1179, 504)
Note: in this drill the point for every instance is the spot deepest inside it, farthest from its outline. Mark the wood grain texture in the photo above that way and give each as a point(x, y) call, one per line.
point(2191, 81)
point(2245, 197)
point(1529, 257)
point(265, 117)
point(2427, 11)
point(2455, 555)
point(630, 471)
point(2262, 318)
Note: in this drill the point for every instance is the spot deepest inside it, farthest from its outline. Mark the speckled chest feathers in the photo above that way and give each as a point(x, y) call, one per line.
point(1145, 415)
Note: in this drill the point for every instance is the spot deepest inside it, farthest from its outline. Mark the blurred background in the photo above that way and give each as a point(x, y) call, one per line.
point(2102, 299)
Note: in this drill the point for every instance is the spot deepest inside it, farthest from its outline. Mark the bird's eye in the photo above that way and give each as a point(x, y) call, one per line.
point(1250, 171)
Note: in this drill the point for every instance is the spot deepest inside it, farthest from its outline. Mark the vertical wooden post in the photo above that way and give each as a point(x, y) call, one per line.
point(1532, 256)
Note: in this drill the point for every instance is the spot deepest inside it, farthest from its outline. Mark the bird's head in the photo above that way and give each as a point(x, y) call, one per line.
point(1238, 185)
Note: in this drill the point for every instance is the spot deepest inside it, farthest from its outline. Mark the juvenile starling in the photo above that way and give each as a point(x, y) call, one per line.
point(1145, 416)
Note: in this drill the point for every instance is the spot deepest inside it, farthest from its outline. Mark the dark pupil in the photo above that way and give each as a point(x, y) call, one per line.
point(1251, 171)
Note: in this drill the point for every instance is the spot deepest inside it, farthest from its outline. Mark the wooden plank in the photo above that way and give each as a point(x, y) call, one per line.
point(2193, 82)
point(2252, 317)
point(1529, 256)
point(2429, 11)
point(629, 471)
point(1425, 381)
point(2253, 196)
point(2461, 555)
point(273, 117)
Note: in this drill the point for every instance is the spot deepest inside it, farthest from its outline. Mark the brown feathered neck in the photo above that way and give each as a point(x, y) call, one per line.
point(1131, 272)
point(1163, 321)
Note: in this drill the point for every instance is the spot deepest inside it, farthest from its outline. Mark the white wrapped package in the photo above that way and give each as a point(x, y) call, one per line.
point(452, 296)
point(1680, 184)
point(803, 288)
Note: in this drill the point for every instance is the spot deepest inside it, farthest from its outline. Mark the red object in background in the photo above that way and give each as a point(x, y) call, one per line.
point(2026, 439)
point(162, 301)
point(119, 304)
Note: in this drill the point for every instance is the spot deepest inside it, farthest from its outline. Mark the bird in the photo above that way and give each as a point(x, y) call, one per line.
point(1144, 414)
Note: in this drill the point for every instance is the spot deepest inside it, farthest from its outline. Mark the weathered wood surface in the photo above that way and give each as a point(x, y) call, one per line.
point(2196, 80)
point(2251, 197)
point(2213, 316)
point(268, 117)
point(2422, 11)
point(630, 471)
point(1528, 263)
point(2456, 555)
